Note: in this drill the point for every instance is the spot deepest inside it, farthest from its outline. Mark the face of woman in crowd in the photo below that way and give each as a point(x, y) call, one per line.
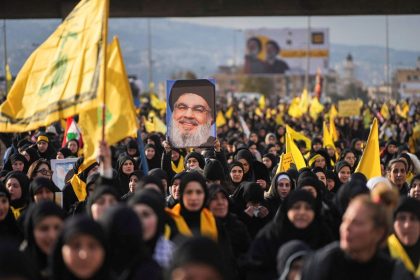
point(236, 174)
point(219, 205)
point(193, 197)
point(407, 228)
point(46, 232)
point(132, 183)
point(18, 166)
point(175, 188)
point(43, 170)
point(73, 147)
point(127, 167)
point(192, 163)
point(245, 164)
point(253, 149)
point(83, 255)
point(283, 188)
point(150, 153)
point(330, 184)
point(320, 162)
point(321, 177)
point(350, 158)
point(357, 231)
point(397, 174)
point(60, 155)
point(344, 174)
point(43, 194)
point(301, 214)
point(14, 188)
point(101, 204)
point(149, 220)
point(4, 207)
point(415, 189)
point(195, 271)
point(311, 190)
point(267, 162)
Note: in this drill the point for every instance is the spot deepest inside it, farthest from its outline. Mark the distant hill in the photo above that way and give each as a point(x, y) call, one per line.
point(178, 46)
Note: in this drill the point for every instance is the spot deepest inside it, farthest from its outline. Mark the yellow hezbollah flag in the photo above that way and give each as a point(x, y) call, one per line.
point(315, 109)
point(333, 130)
point(154, 124)
point(120, 113)
point(220, 119)
point(402, 110)
point(385, 111)
point(327, 138)
point(294, 109)
point(261, 102)
point(60, 78)
point(157, 103)
point(229, 112)
point(294, 150)
point(370, 163)
point(285, 162)
point(305, 100)
point(299, 136)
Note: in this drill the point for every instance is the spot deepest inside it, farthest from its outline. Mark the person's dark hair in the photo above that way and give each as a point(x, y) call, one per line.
point(256, 40)
point(35, 165)
point(394, 161)
point(274, 44)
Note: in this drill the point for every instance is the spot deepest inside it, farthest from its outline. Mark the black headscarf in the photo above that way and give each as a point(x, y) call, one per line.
point(231, 166)
point(98, 192)
point(123, 178)
point(33, 154)
point(9, 227)
point(123, 233)
point(347, 192)
point(24, 185)
point(19, 157)
point(149, 179)
point(198, 157)
point(66, 152)
point(36, 213)
point(192, 177)
point(155, 162)
point(41, 182)
point(288, 253)
point(75, 226)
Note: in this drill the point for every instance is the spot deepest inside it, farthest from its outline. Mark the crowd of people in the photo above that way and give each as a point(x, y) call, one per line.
point(224, 212)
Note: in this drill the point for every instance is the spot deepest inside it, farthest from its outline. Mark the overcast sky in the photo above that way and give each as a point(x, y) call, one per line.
point(404, 31)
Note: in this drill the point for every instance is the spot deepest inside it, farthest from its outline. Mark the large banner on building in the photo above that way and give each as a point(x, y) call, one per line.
point(280, 51)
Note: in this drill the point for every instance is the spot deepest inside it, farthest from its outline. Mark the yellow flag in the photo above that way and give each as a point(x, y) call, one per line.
point(305, 100)
point(120, 114)
point(8, 78)
point(294, 108)
point(285, 162)
point(154, 124)
point(261, 102)
point(315, 109)
point(294, 150)
point(333, 131)
point(60, 78)
point(402, 110)
point(279, 119)
point(299, 136)
point(327, 138)
point(156, 102)
point(370, 163)
point(220, 119)
point(385, 111)
point(258, 112)
point(229, 112)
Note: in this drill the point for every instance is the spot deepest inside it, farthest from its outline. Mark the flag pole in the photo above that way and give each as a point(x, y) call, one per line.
point(143, 158)
point(104, 60)
point(5, 55)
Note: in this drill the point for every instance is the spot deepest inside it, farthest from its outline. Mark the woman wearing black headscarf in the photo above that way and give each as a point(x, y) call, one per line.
point(152, 156)
point(129, 258)
point(236, 174)
point(81, 252)
point(254, 171)
point(280, 188)
point(102, 198)
point(149, 206)
point(19, 163)
point(8, 225)
point(18, 186)
point(126, 166)
point(42, 225)
point(31, 155)
point(42, 189)
point(299, 219)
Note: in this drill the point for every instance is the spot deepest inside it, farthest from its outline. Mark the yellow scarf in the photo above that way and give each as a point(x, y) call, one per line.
point(180, 167)
point(397, 252)
point(207, 223)
point(79, 187)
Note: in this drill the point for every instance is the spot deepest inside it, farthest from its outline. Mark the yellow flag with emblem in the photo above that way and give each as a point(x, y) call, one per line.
point(385, 111)
point(299, 136)
point(120, 113)
point(220, 119)
point(154, 124)
point(60, 78)
point(156, 102)
point(229, 112)
point(333, 130)
point(370, 163)
point(315, 109)
point(292, 148)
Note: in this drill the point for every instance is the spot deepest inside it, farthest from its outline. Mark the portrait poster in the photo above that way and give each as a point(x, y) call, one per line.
point(191, 114)
point(60, 167)
point(285, 50)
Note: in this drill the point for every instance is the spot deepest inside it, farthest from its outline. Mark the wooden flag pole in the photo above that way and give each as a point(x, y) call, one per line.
point(104, 60)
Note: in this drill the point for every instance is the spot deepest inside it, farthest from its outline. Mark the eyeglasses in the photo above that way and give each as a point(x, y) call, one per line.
point(196, 109)
point(44, 172)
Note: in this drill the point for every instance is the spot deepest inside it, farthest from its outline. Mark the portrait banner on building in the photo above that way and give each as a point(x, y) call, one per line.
point(191, 114)
point(282, 51)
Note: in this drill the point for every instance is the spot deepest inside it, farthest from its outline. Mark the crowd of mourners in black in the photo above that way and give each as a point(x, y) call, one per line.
point(216, 213)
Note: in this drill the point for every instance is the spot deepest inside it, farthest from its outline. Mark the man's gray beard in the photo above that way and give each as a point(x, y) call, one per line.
point(193, 139)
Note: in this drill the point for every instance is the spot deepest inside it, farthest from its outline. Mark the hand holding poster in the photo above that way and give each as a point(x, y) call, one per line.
point(191, 113)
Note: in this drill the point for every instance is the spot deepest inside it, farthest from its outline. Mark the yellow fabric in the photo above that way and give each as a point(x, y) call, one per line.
point(180, 167)
point(120, 113)
point(315, 109)
point(279, 119)
point(79, 187)
point(261, 102)
point(370, 164)
point(397, 252)
point(291, 147)
point(299, 136)
point(157, 103)
point(333, 114)
point(258, 112)
point(208, 226)
point(285, 162)
point(42, 138)
point(9, 78)
point(229, 112)
point(220, 119)
point(154, 124)
point(17, 211)
point(305, 100)
point(385, 112)
point(402, 110)
point(294, 110)
point(313, 159)
point(60, 78)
